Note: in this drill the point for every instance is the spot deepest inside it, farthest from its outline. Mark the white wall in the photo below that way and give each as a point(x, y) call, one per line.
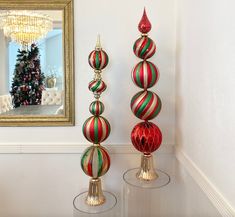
point(38, 185)
point(54, 59)
point(54, 44)
point(205, 96)
point(118, 33)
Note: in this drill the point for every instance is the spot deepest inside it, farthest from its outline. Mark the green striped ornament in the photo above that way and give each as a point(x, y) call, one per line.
point(144, 47)
point(96, 129)
point(145, 74)
point(95, 161)
point(146, 105)
point(96, 108)
point(98, 59)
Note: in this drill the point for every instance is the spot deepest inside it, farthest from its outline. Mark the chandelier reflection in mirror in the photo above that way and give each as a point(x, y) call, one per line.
point(25, 27)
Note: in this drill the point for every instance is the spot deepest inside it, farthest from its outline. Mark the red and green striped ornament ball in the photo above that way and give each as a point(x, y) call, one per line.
point(145, 74)
point(96, 108)
point(97, 86)
point(144, 47)
point(95, 161)
point(98, 59)
point(146, 105)
point(96, 129)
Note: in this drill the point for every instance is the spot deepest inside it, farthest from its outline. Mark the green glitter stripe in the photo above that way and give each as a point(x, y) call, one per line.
point(100, 162)
point(96, 86)
point(101, 107)
point(145, 103)
point(84, 156)
point(145, 48)
point(93, 108)
point(107, 59)
point(158, 108)
point(97, 61)
point(96, 130)
point(109, 127)
point(153, 74)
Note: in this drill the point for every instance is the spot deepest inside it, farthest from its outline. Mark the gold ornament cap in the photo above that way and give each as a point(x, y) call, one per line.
point(95, 195)
point(147, 171)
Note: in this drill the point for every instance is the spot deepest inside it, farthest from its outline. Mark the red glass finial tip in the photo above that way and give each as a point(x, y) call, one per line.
point(144, 24)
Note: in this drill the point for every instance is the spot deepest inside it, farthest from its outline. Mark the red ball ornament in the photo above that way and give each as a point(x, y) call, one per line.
point(96, 108)
point(97, 86)
point(98, 59)
point(146, 105)
point(145, 74)
point(144, 47)
point(95, 161)
point(144, 24)
point(96, 129)
point(146, 137)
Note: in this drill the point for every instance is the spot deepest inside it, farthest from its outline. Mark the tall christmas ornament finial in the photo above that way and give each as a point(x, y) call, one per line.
point(144, 24)
point(95, 161)
point(146, 137)
point(98, 44)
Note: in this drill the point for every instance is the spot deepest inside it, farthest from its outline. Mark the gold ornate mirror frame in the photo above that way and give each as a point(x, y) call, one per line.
point(67, 119)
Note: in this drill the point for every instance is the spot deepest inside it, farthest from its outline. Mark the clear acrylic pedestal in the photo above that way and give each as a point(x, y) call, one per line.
point(143, 198)
point(81, 209)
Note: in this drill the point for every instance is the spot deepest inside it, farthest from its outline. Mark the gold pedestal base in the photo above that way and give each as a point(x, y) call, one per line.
point(147, 171)
point(95, 195)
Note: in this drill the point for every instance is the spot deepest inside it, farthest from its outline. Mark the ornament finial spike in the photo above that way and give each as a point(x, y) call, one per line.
point(98, 44)
point(144, 24)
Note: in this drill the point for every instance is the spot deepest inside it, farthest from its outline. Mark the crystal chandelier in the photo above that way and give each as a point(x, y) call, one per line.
point(25, 27)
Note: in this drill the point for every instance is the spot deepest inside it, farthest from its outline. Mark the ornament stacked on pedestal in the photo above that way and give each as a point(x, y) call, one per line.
point(95, 161)
point(146, 105)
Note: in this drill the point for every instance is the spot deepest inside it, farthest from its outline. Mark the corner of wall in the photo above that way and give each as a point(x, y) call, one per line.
point(215, 196)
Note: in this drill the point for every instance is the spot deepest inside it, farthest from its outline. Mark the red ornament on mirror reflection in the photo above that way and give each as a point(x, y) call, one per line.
point(144, 24)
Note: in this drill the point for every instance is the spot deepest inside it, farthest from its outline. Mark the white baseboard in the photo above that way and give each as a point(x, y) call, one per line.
point(223, 206)
point(72, 148)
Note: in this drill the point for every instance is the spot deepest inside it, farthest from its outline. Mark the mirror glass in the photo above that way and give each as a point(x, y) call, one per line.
point(32, 78)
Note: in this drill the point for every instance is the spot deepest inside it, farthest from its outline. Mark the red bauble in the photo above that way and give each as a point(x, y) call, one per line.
point(144, 47)
point(145, 74)
point(144, 24)
point(146, 137)
point(98, 59)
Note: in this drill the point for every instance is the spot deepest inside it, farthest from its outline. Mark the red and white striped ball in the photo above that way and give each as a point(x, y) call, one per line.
point(146, 105)
point(95, 161)
point(96, 108)
point(96, 129)
point(98, 59)
point(144, 47)
point(97, 86)
point(145, 74)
